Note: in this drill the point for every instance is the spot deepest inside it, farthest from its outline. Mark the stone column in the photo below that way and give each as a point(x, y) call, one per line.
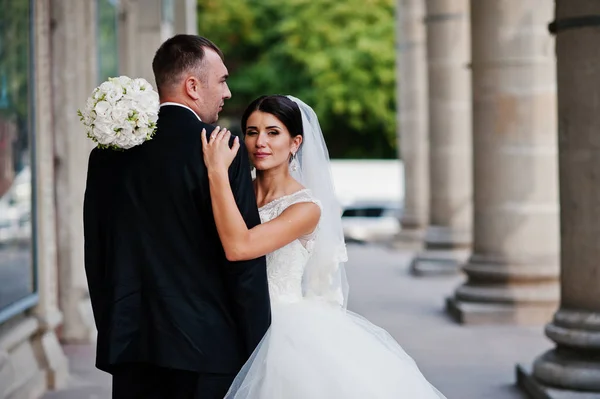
point(127, 29)
point(74, 75)
point(186, 17)
point(448, 236)
point(143, 26)
point(574, 365)
point(513, 270)
point(46, 346)
point(413, 140)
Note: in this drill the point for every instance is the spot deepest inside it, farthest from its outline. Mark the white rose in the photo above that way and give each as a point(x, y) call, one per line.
point(143, 132)
point(87, 119)
point(97, 94)
point(101, 108)
point(124, 81)
point(108, 86)
point(149, 109)
point(113, 96)
point(138, 99)
point(142, 119)
point(124, 139)
point(90, 104)
point(127, 128)
point(135, 86)
point(119, 114)
point(104, 132)
point(126, 103)
point(113, 91)
point(103, 121)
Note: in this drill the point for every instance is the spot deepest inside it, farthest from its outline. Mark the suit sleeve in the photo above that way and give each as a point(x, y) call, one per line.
point(249, 278)
point(93, 256)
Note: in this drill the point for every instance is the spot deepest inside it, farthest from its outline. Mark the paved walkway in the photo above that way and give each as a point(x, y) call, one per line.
point(462, 362)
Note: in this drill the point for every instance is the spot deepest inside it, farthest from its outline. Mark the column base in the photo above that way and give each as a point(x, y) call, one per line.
point(444, 237)
point(409, 239)
point(439, 262)
point(23, 372)
point(536, 390)
point(569, 369)
point(78, 326)
point(49, 352)
point(52, 358)
point(498, 314)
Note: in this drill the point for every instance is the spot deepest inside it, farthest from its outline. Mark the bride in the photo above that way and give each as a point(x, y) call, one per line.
point(315, 348)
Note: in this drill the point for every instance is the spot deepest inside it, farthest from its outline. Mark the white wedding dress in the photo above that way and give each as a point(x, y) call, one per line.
point(316, 350)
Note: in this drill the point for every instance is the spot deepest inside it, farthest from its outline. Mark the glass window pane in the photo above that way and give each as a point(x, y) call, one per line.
point(16, 248)
point(108, 50)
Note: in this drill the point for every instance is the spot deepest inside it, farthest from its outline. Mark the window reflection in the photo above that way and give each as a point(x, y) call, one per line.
point(16, 271)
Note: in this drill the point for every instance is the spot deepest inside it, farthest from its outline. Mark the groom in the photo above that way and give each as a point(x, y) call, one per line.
point(175, 319)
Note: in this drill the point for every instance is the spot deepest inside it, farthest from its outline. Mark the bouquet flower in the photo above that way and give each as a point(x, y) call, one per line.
point(121, 113)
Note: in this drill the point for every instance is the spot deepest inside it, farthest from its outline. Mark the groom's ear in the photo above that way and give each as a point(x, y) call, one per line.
point(192, 87)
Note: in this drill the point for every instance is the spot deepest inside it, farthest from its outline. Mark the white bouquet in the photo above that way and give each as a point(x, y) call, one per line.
point(121, 113)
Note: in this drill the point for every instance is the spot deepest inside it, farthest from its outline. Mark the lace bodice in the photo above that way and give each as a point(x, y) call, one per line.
point(285, 266)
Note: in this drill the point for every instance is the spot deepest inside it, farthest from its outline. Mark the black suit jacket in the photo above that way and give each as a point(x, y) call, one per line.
point(161, 288)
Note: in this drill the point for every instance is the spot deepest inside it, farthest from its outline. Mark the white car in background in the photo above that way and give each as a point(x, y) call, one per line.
point(15, 210)
point(371, 193)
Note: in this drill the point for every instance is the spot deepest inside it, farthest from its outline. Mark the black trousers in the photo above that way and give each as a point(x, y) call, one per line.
point(140, 381)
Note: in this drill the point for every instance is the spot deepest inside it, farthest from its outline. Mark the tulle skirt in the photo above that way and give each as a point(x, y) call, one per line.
point(316, 351)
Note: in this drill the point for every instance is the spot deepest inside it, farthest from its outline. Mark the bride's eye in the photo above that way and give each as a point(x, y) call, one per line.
point(250, 132)
point(274, 132)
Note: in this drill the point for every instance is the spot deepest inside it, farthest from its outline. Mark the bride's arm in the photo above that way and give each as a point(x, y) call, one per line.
point(239, 242)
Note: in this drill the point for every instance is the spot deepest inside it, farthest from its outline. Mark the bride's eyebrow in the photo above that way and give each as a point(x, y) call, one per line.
point(268, 127)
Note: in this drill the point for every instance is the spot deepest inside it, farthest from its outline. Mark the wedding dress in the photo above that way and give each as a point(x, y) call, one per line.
point(316, 349)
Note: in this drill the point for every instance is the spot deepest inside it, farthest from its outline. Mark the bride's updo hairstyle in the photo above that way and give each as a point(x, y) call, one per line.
point(280, 107)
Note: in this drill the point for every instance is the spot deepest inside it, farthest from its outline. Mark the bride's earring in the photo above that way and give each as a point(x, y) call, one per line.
point(293, 163)
point(252, 169)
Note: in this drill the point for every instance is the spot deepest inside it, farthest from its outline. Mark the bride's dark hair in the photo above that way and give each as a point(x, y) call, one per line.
point(279, 106)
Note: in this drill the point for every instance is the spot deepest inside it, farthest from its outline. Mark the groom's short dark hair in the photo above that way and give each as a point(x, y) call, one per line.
point(179, 54)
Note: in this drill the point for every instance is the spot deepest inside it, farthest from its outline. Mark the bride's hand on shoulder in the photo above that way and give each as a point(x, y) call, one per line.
point(217, 154)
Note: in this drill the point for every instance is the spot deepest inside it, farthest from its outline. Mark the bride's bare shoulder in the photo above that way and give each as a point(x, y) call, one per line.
point(294, 186)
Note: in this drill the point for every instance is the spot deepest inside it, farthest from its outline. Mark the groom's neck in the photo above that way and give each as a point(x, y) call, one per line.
point(173, 99)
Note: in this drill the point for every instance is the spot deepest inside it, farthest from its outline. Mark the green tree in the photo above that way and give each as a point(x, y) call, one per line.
point(15, 76)
point(338, 56)
point(14, 59)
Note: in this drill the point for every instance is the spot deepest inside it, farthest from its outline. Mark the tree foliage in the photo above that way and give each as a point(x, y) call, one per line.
point(338, 56)
point(14, 59)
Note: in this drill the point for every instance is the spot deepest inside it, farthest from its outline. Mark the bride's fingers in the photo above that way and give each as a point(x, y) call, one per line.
point(203, 138)
point(226, 138)
point(236, 145)
point(214, 133)
point(220, 136)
